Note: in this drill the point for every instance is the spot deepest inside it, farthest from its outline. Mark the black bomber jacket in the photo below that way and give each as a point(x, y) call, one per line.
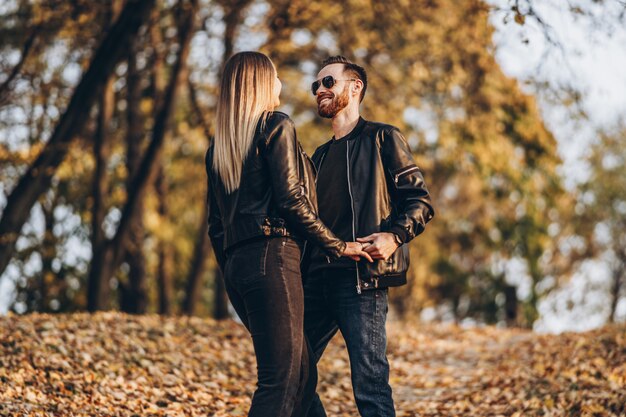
point(388, 194)
point(276, 196)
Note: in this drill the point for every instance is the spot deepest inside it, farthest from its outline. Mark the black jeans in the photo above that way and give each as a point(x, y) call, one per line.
point(264, 284)
point(332, 303)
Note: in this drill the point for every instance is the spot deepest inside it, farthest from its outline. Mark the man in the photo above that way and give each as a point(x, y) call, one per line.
point(369, 187)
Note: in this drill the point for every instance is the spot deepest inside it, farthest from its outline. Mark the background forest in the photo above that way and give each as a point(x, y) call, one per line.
point(106, 111)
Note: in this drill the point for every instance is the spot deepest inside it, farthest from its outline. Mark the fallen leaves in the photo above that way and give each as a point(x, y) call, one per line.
point(111, 364)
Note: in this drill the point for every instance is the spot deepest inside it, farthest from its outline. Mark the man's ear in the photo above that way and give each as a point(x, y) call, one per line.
point(357, 87)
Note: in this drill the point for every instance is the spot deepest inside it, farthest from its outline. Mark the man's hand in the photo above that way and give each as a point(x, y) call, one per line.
point(380, 245)
point(354, 251)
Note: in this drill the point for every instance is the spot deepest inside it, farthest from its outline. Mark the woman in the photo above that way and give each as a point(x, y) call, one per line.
point(262, 207)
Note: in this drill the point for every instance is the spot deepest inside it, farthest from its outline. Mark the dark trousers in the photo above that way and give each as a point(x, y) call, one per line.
point(332, 303)
point(264, 285)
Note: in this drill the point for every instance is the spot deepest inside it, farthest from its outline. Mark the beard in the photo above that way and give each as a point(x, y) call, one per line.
point(337, 103)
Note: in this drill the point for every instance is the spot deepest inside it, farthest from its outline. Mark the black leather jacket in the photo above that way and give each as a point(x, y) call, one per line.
point(276, 196)
point(387, 193)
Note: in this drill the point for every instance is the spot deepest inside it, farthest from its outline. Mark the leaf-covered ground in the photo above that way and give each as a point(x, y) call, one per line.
point(111, 364)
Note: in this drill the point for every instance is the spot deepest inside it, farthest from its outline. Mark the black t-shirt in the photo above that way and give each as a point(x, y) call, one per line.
point(334, 200)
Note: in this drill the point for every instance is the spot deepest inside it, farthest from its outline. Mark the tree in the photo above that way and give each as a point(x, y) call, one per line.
point(39, 175)
point(603, 205)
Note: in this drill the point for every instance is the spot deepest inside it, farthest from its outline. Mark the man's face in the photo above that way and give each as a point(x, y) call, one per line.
point(331, 101)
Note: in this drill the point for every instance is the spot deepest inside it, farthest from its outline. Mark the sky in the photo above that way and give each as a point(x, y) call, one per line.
point(591, 57)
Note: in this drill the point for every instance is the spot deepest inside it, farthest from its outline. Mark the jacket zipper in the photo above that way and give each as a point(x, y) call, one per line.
point(358, 279)
point(403, 172)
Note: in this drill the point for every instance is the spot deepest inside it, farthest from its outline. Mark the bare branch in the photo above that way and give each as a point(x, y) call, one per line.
point(30, 41)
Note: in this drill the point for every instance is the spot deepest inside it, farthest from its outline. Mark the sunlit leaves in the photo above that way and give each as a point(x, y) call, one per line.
point(112, 364)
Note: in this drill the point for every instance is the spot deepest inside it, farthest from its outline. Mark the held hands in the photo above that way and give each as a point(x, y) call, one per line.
point(379, 245)
point(354, 251)
point(375, 246)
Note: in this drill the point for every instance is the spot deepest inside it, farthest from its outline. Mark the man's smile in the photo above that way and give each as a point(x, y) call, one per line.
point(323, 98)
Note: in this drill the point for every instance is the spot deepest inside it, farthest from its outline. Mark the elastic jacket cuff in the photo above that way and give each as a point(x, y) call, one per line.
point(402, 233)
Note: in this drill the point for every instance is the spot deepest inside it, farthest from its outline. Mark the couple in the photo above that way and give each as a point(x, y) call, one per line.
point(338, 223)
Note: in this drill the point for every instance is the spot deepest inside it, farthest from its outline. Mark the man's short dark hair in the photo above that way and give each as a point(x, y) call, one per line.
point(355, 71)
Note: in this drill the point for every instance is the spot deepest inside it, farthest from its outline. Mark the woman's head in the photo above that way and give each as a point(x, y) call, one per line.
point(249, 87)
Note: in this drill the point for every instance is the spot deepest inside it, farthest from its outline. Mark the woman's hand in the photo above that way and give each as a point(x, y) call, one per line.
point(354, 251)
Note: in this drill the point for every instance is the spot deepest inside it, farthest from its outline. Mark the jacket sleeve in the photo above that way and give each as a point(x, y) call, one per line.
point(282, 159)
point(409, 195)
point(216, 228)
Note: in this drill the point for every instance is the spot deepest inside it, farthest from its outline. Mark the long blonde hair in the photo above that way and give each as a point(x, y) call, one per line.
point(246, 91)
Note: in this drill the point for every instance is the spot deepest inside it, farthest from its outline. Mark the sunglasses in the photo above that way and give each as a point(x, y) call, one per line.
point(327, 82)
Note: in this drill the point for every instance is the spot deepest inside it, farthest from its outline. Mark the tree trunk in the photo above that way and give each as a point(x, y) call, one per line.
point(134, 297)
point(97, 287)
point(38, 177)
point(202, 246)
point(166, 257)
point(616, 287)
point(510, 305)
point(232, 19)
point(192, 290)
point(48, 253)
point(164, 250)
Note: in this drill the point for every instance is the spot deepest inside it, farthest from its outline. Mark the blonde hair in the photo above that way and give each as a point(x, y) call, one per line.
point(246, 92)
